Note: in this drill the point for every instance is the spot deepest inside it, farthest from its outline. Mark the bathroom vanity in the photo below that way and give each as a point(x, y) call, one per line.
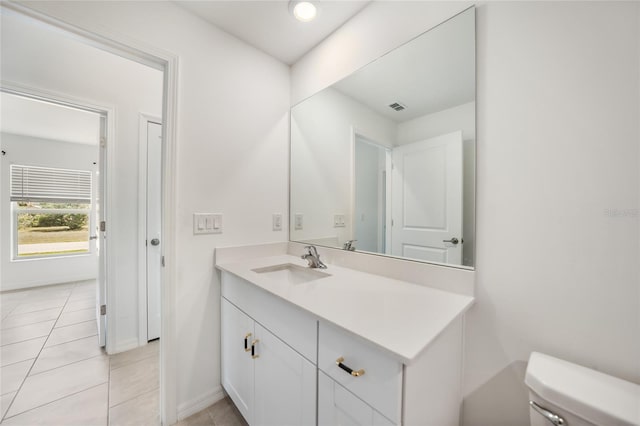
point(331, 346)
point(371, 340)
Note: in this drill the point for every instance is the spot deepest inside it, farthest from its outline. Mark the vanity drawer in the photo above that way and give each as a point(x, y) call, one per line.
point(338, 406)
point(381, 384)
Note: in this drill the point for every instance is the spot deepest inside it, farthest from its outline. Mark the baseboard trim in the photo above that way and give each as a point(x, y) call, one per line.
point(189, 408)
point(24, 285)
point(125, 345)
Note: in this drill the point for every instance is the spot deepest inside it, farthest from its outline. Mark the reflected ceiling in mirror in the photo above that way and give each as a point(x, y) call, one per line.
point(383, 161)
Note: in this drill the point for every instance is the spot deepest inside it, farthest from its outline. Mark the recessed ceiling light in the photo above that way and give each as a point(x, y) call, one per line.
point(304, 11)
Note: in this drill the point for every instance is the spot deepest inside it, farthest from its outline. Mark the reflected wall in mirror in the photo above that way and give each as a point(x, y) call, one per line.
point(386, 156)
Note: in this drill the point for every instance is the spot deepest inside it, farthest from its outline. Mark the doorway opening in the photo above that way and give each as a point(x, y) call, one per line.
point(53, 195)
point(371, 182)
point(120, 337)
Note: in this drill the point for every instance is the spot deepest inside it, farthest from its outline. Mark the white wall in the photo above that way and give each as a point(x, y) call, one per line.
point(26, 150)
point(461, 117)
point(558, 184)
point(36, 57)
point(232, 158)
point(321, 174)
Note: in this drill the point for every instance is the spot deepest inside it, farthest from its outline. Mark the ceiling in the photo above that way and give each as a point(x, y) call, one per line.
point(270, 27)
point(431, 73)
point(29, 117)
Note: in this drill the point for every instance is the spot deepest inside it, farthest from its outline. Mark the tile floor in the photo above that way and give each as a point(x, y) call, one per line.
point(52, 371)
point(222, 413)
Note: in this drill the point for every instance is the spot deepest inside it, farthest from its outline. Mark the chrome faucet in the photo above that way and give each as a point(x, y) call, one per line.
point(349, 245)
point(313, 258)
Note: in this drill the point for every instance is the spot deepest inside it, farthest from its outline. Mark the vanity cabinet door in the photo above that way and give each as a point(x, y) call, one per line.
point(339, 407)
point(285, 384)
point(237, 364)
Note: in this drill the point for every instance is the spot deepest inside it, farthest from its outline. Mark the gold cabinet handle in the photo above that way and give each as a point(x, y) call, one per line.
point(253, 349)
point(354, 373)
point(246, 342)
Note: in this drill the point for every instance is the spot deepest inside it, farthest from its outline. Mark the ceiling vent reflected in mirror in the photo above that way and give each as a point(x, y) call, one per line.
point(398, 106)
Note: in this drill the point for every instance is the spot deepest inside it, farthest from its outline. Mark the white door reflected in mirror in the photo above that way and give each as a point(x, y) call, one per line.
point(427, 199)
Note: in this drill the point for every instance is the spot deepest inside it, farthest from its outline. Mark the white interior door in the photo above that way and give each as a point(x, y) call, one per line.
point(101, 241)
point(154, 226)
point(427, 199)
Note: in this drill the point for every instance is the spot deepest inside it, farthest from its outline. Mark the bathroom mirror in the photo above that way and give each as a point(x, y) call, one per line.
point(386, 156)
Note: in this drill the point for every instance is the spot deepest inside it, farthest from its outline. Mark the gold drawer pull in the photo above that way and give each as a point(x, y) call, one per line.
point(253, 349)
point(351, 371)
point(246, 344)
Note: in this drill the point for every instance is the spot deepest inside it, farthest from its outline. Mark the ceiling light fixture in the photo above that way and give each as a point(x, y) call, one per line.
point(304, 11)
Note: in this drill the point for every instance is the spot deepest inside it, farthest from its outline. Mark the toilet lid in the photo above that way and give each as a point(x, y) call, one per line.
point(589, 394)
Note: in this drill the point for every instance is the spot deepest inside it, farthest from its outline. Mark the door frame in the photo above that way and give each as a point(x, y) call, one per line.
point(356, 133)
point(167, 62)
point(144, 120)
point(105, 158)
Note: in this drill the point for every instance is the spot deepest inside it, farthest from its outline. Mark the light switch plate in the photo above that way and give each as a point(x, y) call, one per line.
point(207, 223)
point(298, 221)
point(277, 221)
point(338, 221)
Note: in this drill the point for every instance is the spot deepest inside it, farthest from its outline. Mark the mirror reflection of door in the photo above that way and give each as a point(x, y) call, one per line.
point(427, 200)
point(370, 195)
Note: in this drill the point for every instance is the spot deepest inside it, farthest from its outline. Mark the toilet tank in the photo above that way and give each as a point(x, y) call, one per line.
point(579, 395)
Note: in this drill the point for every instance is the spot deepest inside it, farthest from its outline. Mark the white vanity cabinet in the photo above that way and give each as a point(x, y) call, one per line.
point(269, 382)
point(314, 357)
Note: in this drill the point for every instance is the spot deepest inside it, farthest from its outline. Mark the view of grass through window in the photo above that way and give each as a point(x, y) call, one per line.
point(52, 228)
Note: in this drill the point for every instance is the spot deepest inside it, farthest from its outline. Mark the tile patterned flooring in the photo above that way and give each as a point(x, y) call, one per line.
point(222, 413)
point(52, 371)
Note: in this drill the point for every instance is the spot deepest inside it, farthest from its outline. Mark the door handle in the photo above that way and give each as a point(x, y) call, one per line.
point(155, 242)
point(93, 237)
point(454, 240)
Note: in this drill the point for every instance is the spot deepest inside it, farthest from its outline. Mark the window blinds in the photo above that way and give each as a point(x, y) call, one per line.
point(43, 184)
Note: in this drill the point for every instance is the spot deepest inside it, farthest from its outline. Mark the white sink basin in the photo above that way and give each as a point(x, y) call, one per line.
point(290, 273)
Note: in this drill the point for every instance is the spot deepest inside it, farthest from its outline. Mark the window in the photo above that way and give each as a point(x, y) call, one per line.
point(51, 211)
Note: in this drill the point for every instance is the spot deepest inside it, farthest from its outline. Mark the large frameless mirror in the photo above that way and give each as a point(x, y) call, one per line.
point(383, 161)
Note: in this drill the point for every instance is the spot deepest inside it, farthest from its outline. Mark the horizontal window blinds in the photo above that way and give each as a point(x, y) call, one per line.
point(43, 184)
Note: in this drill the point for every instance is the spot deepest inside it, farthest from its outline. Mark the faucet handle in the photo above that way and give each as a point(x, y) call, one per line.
point(348, 245)
point(311, 250)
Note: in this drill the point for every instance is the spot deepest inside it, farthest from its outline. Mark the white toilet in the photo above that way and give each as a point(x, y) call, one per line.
point(563, 393)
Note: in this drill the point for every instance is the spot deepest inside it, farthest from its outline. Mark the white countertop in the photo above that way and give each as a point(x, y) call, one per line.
point(400, 317)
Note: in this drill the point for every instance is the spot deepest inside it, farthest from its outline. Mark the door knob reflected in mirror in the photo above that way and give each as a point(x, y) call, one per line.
point(454, 240)
point(155, 242)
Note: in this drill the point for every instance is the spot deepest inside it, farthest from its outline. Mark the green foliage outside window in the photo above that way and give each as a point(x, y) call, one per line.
point(71, 221)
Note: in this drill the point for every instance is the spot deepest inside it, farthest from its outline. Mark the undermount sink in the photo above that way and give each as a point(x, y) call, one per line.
point(290, 273)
